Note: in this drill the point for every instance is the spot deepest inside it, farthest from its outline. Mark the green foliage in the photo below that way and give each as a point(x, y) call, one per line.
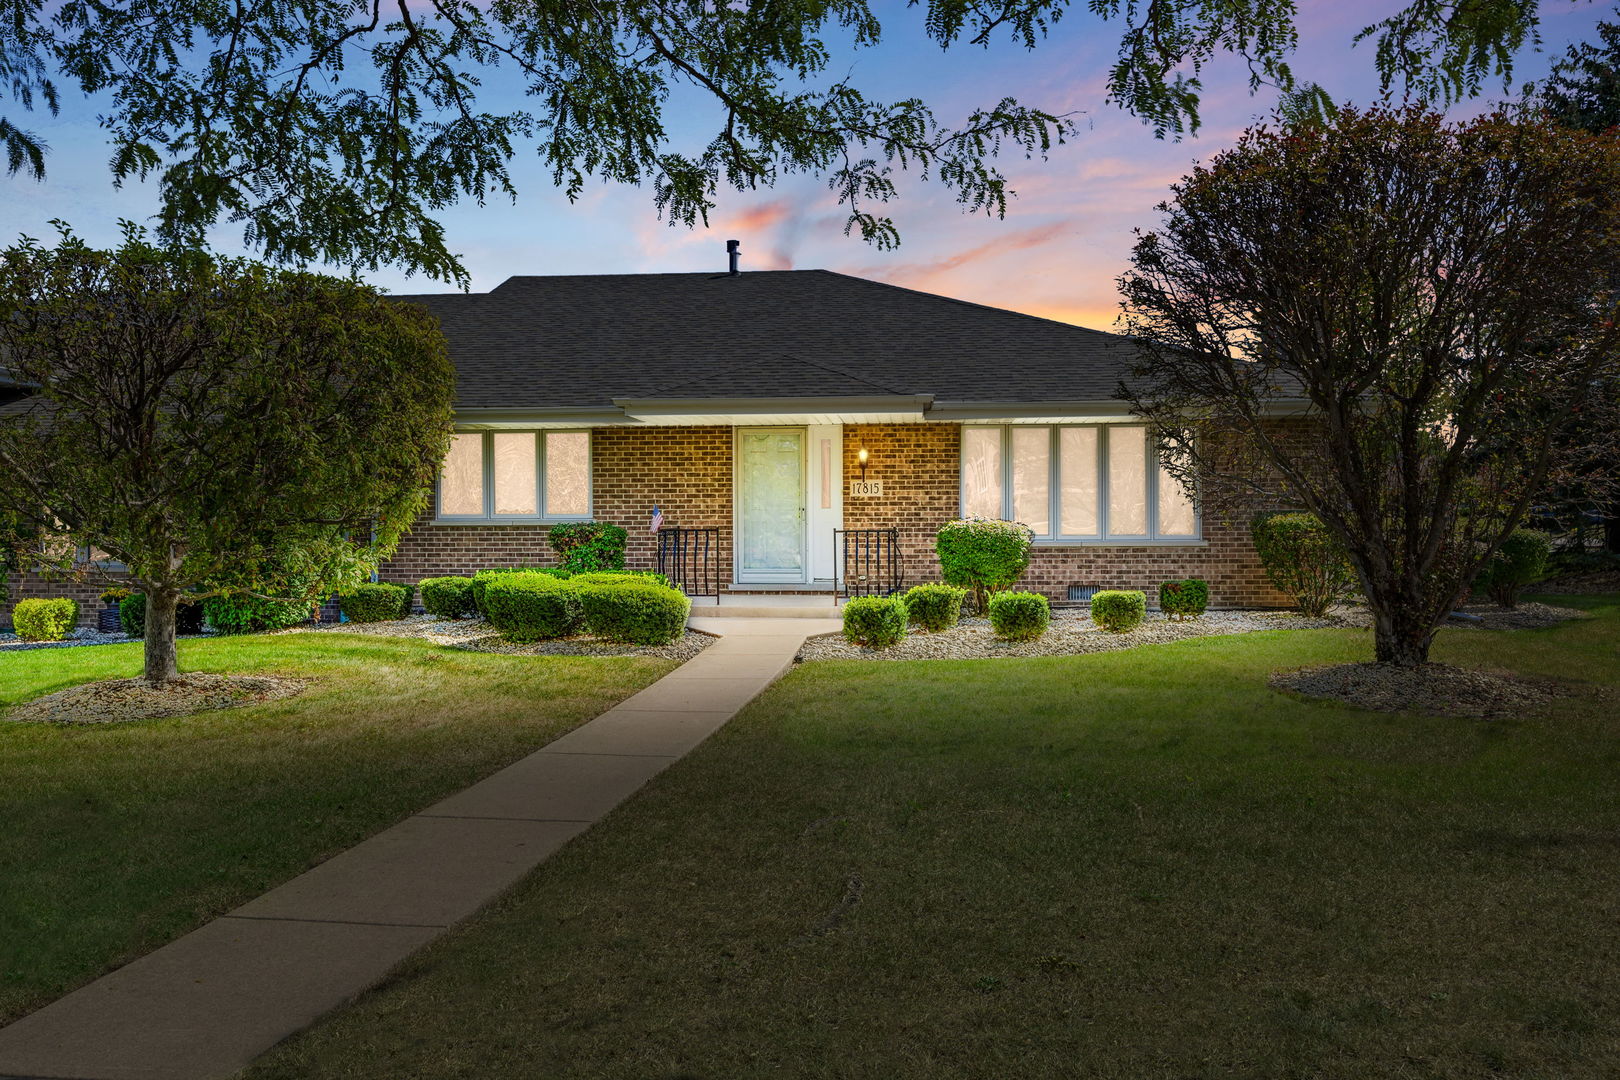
point(983, 555)
point(1583, 89)
point(282, 431)
point(1019, 616)
point(16, 541)
point(532, 606)
point(45, 620)
point(1519, 561)
point(188, 615)
point(875, 621)
point(238, 614)
point(376, 602)
point(482, 578)
point(586, 546)
point(1118, 610)
point(935, 607)
point(447, 597)
point(611, 577)
point(628, 608)
point(114, 595)
point(1185, 599)
point(1303, 559)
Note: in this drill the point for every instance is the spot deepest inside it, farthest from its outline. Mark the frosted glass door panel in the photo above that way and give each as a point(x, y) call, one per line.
point(772, 471)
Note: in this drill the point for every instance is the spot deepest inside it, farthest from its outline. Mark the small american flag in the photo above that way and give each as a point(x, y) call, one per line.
point(657, 520)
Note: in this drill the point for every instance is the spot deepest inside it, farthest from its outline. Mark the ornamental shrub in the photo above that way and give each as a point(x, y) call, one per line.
point(532, 606)
point(935, 607)
point(649, 577)
point(114, 595)
point(1119, 610)
point(1185, 599)
point(447, 597)
point(375, 602)
point(188, 615)
point(626, 608)
point(1019, 616)
point(1303, 559)
point(1521, 560)
point(248, 614)
point(45, 620)
point(875, 621)
point(983, 555)
point(584, 546)
point(482, 578)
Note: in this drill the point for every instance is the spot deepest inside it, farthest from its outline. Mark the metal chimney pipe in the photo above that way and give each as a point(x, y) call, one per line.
point(731, 253)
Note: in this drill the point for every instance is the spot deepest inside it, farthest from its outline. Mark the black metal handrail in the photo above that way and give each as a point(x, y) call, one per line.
point(690, 558)
point(868, 561)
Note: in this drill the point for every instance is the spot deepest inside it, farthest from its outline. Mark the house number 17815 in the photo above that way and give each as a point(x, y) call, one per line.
point(865, 488)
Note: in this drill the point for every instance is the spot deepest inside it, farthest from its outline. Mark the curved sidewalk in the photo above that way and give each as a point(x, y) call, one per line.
point(206, 1005)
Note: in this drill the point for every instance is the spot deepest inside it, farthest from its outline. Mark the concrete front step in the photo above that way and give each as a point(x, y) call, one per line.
point(767, 607)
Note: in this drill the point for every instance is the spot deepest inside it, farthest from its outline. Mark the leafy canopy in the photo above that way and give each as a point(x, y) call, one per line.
point(337, 130)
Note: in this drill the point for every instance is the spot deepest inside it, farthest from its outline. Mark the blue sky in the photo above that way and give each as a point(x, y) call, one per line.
point(1064, 240)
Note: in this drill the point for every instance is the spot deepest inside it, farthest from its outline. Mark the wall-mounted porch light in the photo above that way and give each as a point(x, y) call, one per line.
point(861, 455)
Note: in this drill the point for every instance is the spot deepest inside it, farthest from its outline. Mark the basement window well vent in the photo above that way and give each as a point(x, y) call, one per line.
point(1081, 594)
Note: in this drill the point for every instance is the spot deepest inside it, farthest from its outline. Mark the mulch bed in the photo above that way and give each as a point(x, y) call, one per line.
point(114, 701)
point(1431, 688)
point(476, 635)
point(1595, 582)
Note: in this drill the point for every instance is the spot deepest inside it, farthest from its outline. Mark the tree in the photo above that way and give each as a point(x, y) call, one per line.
point(213, 424)
point(1437, 295)
point(336, 130)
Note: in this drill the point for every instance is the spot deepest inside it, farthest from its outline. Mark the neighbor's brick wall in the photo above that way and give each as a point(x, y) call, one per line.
point(24, 586)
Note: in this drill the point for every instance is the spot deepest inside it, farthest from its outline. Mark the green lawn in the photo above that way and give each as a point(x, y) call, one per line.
point(119, 838)
point(1133, 865)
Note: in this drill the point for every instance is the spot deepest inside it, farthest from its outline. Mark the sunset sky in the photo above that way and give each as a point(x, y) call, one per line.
point(1064, 240)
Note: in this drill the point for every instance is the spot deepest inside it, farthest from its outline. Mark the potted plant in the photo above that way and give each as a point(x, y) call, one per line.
point(107, 617)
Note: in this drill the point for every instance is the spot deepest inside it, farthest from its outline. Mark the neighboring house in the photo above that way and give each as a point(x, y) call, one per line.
point(775, 407)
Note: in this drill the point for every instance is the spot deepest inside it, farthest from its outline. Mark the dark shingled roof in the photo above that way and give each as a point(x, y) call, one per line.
point(548, 342)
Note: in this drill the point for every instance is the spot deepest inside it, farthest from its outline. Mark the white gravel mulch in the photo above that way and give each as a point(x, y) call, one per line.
point(115, 701)
point(1432, 688)
point(476, 635)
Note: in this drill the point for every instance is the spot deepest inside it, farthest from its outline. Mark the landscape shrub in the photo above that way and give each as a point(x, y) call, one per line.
point(188, 615)
point(875, 621)
point(1185, 599)
point(407, 600)
point(236, 614)
point(532, 606)
point(37, 619)
point(935, 607)
point(983, 555)
point(1521, 560)
point(114, 595)
point(1019, 616)
point(447, 597)
point(374, 602)
point(630, 608)
point(584, 546)
point(647, 577)
point(1303, 559)
point(482, 578)
point(1119, 610)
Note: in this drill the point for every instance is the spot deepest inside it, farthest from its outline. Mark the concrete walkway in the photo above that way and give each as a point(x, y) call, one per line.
point(206, 1005)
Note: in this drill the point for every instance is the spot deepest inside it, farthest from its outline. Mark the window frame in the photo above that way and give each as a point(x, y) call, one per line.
point(487, 450)
point(1102, 537)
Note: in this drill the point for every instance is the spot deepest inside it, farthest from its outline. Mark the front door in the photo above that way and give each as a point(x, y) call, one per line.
point(770, 505)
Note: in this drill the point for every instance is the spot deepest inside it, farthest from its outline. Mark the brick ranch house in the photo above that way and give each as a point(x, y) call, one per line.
point(775, 407)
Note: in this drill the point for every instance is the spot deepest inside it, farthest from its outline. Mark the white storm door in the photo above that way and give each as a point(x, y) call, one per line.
point(770, 505)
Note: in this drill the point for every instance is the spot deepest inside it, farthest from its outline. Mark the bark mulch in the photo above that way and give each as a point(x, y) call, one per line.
point(1431, 688)
point(114, 701)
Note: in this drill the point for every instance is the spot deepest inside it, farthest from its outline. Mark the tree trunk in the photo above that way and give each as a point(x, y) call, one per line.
point(161, 665)
point(1401, 637)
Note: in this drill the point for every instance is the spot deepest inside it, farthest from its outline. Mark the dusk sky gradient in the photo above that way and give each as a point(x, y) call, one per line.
point(1065, 239)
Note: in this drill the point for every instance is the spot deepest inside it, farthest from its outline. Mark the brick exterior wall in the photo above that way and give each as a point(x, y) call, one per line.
point(688, 472)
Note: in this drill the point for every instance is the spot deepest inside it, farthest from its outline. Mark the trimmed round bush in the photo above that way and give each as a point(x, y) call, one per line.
point(1019, 616)
point(447, 597)
point(37, 619)
point(483, 577)
point(983, 555)
point(1119, 610)
point(250, 615)
point(584, 546)
point(188, 615)
point(532, 606)
point(374, 602)
point(935, 607)
point(631, 609)
point(1520, 561)
point(875, 621)
point(611, 577)
point(1303, 559)
point(1185, 599)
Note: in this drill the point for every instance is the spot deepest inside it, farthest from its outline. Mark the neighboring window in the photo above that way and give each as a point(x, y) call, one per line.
point(517, 475)
point(1074, 482)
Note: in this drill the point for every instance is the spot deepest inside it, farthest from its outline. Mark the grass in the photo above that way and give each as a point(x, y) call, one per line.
point(119, 838)
point(1139, 864)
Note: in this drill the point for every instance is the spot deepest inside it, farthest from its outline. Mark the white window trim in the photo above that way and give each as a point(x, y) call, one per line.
point(489, 517)
point(1102, 538)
